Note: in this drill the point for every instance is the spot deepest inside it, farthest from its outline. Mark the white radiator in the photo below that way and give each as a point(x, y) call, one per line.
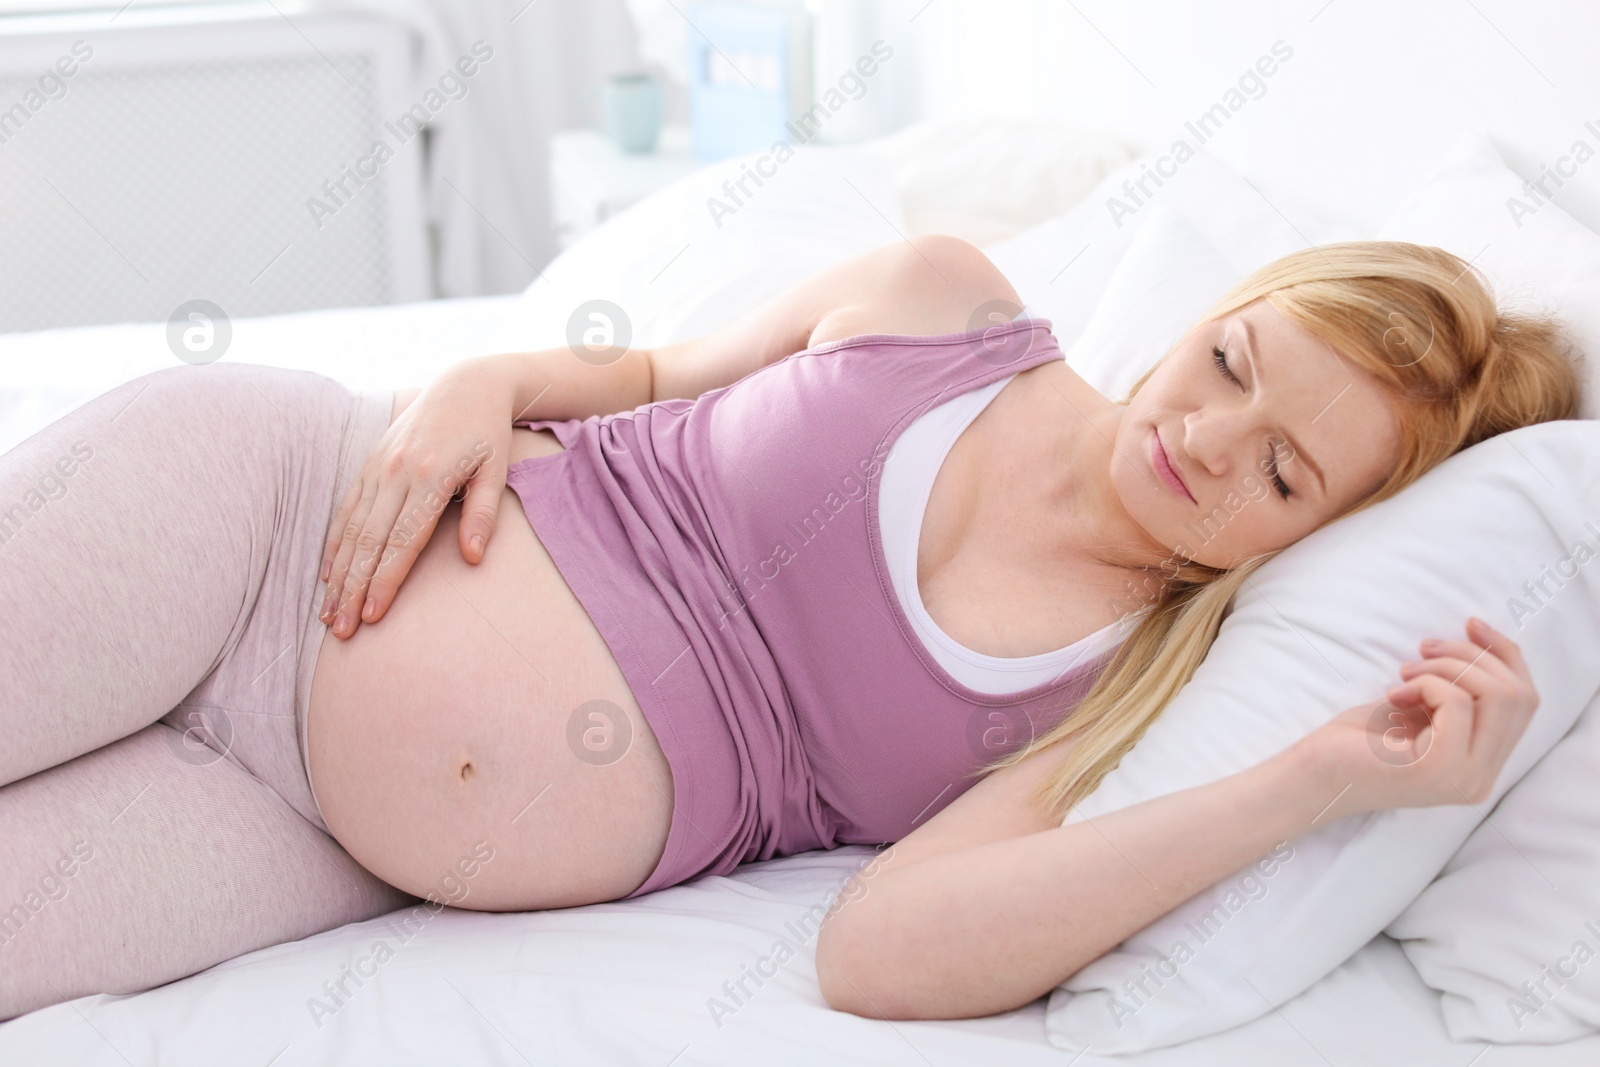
point(225, 153)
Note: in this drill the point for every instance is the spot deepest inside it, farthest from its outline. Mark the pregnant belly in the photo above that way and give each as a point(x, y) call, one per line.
point(475, 729)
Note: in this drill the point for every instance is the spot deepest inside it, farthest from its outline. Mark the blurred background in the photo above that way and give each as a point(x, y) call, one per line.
point(280, 155)
point(287, 155)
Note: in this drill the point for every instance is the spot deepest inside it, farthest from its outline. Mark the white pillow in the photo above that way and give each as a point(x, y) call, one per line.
point(989, 177)
point(678, 270)
point(1520, 903)
point(813, 219)
point(1321, 628)
point(1538, 255)
point(1512, 905)
point(788, 231)
point(1088, 271)
point(1171, 261)
point(1061, 267)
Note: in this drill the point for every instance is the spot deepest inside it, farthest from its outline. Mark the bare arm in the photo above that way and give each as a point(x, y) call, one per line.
point(454, 435)
point(928, 285)
point(924, 286)
point(990, 905)
point(1016, 916)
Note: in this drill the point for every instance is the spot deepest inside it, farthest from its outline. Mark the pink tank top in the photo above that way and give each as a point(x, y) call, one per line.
point(727, 549)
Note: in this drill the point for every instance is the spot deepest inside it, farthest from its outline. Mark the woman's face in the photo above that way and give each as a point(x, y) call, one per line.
point(1248, 408)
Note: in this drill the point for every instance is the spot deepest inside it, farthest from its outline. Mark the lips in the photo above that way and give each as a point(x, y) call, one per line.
point(1165, 468)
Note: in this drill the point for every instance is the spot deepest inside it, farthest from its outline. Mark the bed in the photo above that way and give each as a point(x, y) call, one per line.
point(651, 981)
point(687, 975)
point(630, 984)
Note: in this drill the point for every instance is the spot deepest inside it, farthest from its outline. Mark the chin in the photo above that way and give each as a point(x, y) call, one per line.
point(1224, 560)
point(1183, 533)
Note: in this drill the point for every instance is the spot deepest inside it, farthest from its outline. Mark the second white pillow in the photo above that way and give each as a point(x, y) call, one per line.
point(1321, 628)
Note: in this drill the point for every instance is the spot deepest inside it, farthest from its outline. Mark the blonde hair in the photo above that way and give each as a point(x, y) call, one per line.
point(1424, 324)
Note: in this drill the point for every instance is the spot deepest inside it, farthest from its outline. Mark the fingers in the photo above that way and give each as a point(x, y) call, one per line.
point(1425, 694)
point(361, 554)
point(1483, 661)
point(335, 537)
point(1445, 742)
point(1499, 645)
point(1444, 734)
point(390, 539)
point(479, 510)
point(1475, 666)
point(1475, 651)
point(349, 530)
point(1429, 694)
point(410, 534)
point(1503, 657)
point(1471, 664)
point(1471, 675)
point(1469, 737)
point(1504, 720)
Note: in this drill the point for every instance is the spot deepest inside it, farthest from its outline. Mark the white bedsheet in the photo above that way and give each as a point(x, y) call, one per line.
point(47, 373)
point(625, 983)
point(632, 983)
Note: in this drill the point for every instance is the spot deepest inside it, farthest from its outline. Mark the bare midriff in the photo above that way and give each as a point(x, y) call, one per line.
point(473, 716)
point(444, 732)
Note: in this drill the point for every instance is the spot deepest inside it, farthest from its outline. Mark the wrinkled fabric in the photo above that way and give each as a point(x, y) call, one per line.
point(727, 550)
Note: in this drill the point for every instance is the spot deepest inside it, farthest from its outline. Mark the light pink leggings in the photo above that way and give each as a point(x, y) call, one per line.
point(159, 549)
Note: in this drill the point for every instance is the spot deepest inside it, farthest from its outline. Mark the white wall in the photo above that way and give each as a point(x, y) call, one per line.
point(1372, 95)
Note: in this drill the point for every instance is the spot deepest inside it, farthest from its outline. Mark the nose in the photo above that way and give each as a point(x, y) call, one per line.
point(1214, 437)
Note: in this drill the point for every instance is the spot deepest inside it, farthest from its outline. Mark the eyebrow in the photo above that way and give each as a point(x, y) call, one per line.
point(1255, 372)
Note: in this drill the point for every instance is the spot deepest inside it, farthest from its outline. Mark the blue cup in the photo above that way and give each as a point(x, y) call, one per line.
point(632, 106)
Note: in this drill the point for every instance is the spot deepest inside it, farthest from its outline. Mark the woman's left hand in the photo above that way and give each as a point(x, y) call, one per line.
point(450, 441)
point(1442, 736)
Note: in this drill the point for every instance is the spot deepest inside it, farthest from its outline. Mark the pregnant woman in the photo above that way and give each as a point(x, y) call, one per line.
point(799, 583)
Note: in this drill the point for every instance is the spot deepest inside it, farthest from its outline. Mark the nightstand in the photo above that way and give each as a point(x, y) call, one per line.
point(591, 179)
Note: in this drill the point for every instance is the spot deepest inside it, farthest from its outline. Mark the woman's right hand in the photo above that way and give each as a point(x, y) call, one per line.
point(455, 437)
point(1442, 736)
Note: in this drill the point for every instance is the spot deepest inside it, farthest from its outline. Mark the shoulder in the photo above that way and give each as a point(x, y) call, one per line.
point(923, 286)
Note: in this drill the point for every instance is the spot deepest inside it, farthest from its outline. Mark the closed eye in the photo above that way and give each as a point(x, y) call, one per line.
point(1220, 358)
point(1272, 472)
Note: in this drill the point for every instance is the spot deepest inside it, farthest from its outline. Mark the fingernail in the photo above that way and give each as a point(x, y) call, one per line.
point(477, 544)
point(327, 568)
point(1430, 643)
point(342, 622)
point(327, 608)
point(368, 608)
